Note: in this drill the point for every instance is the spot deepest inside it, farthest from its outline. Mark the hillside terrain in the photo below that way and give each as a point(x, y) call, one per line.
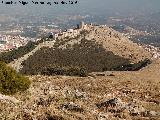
point(100, 96)
point(98, 75)
point(17, 64)
point(86, 55)
point(97, 49)
point(119, 45)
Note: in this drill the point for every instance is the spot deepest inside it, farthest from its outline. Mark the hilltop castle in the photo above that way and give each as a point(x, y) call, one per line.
point(72, 33)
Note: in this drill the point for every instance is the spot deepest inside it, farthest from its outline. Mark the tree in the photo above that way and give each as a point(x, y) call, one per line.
point(10, 81)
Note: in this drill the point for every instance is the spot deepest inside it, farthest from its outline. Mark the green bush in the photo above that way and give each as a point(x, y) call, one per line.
point(10, 81)
point(69, 71)
point(87, 54)
point(133, 67)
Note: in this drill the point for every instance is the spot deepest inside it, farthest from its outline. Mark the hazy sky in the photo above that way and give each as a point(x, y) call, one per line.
point(87, 6)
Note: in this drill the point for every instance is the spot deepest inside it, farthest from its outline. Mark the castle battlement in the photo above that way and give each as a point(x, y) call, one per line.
point(72, 33)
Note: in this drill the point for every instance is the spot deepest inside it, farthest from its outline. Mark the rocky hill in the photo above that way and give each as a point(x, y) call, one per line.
point(111, 41)
point(118, 44)
point(100, 96)
point(87, 55)
point(97, 49)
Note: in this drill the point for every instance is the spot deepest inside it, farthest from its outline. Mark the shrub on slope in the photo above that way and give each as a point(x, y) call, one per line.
point(69, 71)
point(10, 81)
point(133, 67)
point(87, 55)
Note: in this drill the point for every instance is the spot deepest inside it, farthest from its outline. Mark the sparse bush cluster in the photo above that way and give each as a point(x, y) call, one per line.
point(60, 42)
point(84, 32)
point(88, 55)
point(10, 81)
point(133, 67)
point(69, 71)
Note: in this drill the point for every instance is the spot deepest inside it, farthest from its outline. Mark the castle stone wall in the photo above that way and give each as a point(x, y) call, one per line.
point(72, 33)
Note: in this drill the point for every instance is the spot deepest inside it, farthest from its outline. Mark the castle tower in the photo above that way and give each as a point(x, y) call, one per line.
point(82, 25)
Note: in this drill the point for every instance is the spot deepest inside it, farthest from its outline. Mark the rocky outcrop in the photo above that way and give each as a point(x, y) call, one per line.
point(8, 99)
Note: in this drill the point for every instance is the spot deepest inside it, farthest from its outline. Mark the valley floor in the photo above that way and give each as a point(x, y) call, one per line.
point(101, 96)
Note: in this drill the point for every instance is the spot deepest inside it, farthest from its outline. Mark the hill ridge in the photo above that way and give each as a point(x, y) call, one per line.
point(108, 38)
point(17, 64)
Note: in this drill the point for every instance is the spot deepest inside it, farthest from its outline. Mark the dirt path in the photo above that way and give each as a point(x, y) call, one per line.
point(17, 64)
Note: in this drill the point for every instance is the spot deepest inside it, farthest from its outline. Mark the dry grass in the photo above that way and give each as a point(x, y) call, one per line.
point(44, 98)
